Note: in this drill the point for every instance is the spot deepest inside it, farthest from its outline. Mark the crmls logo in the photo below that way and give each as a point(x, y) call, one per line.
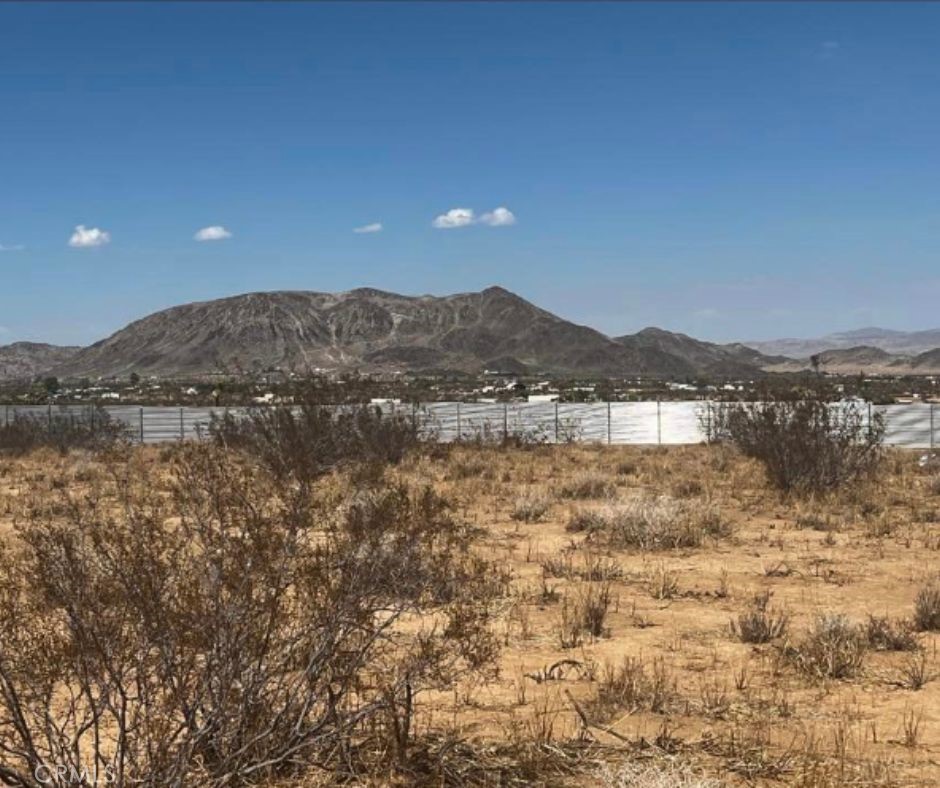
point(61, 774)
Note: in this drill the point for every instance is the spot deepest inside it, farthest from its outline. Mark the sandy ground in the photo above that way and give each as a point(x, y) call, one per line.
point(740, 712)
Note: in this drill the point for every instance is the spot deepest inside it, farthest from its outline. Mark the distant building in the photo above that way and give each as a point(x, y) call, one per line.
point(543, 398)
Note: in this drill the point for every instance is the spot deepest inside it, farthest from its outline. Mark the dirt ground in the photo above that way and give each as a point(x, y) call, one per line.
point(665, 678)
point(742, 712)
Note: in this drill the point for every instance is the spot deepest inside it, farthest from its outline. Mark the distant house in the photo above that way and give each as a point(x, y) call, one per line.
point(543, 397)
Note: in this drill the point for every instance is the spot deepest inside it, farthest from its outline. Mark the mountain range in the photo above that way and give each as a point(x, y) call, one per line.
point(908, 343)
point(371, 330)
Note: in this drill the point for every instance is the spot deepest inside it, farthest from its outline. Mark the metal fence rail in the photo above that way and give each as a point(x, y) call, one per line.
point(641, 423)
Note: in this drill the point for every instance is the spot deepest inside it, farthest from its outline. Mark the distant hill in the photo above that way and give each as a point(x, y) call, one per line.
point(23, 361)
point(871, 360)
point(372, 330)
point(697, 356)
point(897, 342)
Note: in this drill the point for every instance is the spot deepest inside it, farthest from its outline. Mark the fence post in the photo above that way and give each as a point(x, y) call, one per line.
point(414, 417)
point(141, 425)
point(556, 421)
point(49, 414)
point(182, 430)
point(608, 422)
point(659, 423)
point(505, 422)
point(458, 421)
point(6, 415)
point(931, 428)
point(869, 418)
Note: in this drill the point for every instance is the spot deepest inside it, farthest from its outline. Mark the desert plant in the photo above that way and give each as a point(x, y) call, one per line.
point(885, 634)
point(927, 607)
point(91, 429)
point(584, 613)
point(531, 507)
point(652, 523)
point(760, 623)
point(305, 440)
point(834, 648)
point(633, 686)
point(226, 627)
point(806, 442)
point(587, 485)
point(653, 775)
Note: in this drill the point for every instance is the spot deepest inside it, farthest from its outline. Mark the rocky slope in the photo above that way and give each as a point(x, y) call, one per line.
point(24, 361)
point(372, 330)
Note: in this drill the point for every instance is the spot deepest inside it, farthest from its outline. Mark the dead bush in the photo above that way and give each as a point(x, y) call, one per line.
point(92, 429)
point(760, 623)
point(927, 607)
point(224, 627)
point(652, 523)
point(303, 441)
point(634, 686)
point(885, 634)
point(834, 648)
point(653, 775)
point(587, 485)
point(531, 507)
point(806, 442)
point(584, 613)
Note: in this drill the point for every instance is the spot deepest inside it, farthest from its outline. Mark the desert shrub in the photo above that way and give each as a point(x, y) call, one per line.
point(305, 440)
point(634, 686)
point(585, 520)
point(531, 507)
point(834, 648)
point(687, 488)
point(805, 442)
point(586, 485)
point(760, 623)
point(584, 613)
point(927, 607)
point(92, 429)
point(885, 634)
point(626, 468)
point(216, 626)
point(652, 523)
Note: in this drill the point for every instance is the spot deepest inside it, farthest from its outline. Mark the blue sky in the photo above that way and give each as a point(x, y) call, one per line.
point(734, 171)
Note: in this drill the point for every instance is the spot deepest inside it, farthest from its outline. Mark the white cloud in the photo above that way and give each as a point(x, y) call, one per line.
point(454, 218)
point(15, 248)
point(498, 217)
point(214, 233)
point(375, 227)
point(86, 237)
point(829, 49)
point(464, 217)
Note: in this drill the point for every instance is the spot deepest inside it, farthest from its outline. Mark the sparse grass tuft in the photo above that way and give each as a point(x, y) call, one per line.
point(634, 686)
point(652, 523)
point(760, 623)
point(531, 507)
